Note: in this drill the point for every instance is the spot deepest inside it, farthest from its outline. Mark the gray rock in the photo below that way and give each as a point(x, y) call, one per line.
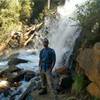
point(29, 75)
point(16, 61)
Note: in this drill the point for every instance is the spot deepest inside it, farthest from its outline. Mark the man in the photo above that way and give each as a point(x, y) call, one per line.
point(46, 64)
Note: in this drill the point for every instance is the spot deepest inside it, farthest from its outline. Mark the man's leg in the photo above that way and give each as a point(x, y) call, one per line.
point(44, 80)
point(49, 80)
point(44, 83)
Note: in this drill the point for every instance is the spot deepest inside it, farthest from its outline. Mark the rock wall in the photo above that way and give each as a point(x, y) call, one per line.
point(89, 61)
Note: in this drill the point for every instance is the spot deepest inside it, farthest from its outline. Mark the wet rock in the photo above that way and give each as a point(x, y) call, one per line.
point(34, 84)
point(12, 74)
point(14, 55)
point(15, 93)
point(16, 61)
point(65, 83)
point(62, 70)
point(62, 79)
point(7, 92)
point(93, 89)
point(29, 75)
point(13, 69)
point(89, 61)
point(4, 89)
point(16, 78)
point(9, 70)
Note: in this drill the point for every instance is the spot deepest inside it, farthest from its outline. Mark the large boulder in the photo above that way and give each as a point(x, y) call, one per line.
point(29, 75)
point(12, 74)
point(61, 70)
point(89, 61)
point(16, 61)
point(93, 89)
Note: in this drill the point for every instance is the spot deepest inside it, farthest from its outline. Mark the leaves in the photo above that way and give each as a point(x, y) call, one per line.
point(11, 12)
point(14, 14)
point(88, 14)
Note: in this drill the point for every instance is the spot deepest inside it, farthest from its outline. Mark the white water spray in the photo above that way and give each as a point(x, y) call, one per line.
point(62, 33)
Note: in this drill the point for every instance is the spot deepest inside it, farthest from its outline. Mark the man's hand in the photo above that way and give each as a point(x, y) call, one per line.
point(50, 69)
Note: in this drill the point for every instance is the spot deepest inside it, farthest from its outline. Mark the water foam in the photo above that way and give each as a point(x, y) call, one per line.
point(62, 30)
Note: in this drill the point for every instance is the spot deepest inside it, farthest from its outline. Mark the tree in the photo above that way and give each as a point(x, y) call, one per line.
point(49, 2)
point(26, 11)
point(88, 17)
point(9, 17)
point(37, 8)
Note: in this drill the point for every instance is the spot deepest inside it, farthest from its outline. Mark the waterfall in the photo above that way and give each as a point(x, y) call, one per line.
point(63, 31)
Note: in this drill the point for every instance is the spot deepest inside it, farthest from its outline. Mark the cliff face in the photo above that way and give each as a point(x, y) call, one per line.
point(89, 61)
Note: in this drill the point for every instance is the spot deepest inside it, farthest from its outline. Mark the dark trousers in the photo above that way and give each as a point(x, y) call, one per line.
point(47, 79)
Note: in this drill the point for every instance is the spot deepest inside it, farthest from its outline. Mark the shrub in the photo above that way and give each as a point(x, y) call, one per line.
point(79, 83)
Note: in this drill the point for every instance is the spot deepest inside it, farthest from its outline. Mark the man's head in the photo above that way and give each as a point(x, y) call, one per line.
point(45, 42)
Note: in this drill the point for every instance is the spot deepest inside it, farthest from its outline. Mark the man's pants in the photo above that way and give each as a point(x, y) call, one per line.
point(47, 80)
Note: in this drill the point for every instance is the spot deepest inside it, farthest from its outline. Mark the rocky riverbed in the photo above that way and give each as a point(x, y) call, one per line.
point(16, 72)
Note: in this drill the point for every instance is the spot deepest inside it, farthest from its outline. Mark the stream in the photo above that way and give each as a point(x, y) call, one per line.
point(62, 34)
point(29, 55)
point(32, 65)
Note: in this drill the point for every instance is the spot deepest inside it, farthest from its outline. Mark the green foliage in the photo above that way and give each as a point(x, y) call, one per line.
point(37, 9)
point(9, 17)
point(95, 98)
point(16, 13)
point(88, 16)
point(25, 11)
point(79, 83)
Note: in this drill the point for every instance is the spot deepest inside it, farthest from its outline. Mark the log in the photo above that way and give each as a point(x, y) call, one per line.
point(2, 47)
point(49, 2)
point(29, 40)
point(30, 31)
point(33, 29)
point(28, 36)
point(38, 26)
point(23, 40)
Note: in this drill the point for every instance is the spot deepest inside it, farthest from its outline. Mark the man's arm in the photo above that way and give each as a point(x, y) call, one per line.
point(53, 60)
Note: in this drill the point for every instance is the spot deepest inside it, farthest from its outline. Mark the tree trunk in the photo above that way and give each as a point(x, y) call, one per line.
point(49, 1)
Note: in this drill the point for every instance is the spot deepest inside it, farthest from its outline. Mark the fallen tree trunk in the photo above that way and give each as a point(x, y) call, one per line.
point(33, 29)
point(2, 47)
point(20, 40)
point(25, 44)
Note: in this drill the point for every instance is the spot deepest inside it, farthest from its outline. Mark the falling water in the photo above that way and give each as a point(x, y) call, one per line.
point(63, 31)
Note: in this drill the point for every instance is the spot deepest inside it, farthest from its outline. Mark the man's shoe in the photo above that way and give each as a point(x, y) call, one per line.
point(43, 92)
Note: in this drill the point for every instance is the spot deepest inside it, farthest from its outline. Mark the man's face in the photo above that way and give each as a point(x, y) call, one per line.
point(45, 44)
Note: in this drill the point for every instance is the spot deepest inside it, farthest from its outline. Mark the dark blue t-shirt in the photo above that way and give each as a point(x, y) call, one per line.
point(47, 58)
